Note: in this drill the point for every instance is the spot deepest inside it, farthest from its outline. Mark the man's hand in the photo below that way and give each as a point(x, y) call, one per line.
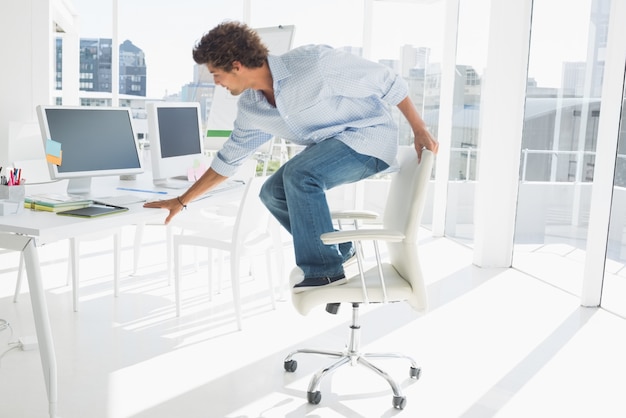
point(173, 205)
point(424, 140)
point(209, 179)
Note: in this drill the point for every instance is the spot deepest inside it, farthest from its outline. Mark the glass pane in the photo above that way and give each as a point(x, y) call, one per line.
point(156, 30)
point(559, 139)
point(471, 61)
point(409, 38)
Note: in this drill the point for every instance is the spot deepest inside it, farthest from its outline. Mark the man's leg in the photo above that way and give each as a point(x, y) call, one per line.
point(295, 195)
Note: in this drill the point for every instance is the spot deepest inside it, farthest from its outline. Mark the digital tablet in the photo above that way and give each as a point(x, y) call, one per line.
point(93, 211)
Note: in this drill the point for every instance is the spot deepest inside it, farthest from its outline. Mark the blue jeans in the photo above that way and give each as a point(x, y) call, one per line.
point(295, 196)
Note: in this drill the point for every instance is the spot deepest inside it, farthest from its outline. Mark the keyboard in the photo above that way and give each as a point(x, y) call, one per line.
point(120, 200)
point(222, 187)
point(175, 184)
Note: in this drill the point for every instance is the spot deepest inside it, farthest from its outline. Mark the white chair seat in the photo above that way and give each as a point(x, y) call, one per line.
point(397, 289)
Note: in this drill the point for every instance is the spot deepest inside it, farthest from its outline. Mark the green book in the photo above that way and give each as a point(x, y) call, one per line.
point(53, 202)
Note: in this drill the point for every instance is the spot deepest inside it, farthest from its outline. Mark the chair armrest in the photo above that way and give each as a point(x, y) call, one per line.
point(354, 214)
point(338, 237)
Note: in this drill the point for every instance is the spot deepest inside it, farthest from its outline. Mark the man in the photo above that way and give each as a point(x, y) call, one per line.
point(334, 103)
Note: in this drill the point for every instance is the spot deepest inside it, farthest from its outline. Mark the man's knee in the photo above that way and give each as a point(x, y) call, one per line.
point(265, 193)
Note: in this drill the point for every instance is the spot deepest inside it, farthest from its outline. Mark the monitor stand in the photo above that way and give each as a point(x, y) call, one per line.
point(79, 186)
point(173, 183)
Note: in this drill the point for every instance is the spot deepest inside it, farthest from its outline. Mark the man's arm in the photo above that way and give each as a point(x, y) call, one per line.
point(423, 138)
point(209, 180)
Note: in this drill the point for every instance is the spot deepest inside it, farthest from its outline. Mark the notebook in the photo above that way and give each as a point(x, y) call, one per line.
point(93, 211)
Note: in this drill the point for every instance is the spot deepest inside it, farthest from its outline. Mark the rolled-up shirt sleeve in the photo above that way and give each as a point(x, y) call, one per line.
point(240, 145)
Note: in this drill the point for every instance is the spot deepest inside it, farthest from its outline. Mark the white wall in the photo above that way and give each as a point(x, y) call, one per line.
point(27, 29)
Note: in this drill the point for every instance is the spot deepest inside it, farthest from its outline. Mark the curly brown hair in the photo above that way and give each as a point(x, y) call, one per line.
point(229, 42)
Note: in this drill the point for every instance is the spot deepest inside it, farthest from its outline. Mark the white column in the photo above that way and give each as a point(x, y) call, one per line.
point(446, 108)
point(368, 26)
point(606, 150)
point(71, 66)
point(115, 57)
point(25, 42)
point(501, 124)
point(247, 12)
point(65, 26)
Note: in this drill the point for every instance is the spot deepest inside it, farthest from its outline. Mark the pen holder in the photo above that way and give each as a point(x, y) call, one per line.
point(11, 199)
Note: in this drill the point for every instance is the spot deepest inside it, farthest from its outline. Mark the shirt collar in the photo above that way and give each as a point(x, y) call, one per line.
point(278, 69)
point(279, 72)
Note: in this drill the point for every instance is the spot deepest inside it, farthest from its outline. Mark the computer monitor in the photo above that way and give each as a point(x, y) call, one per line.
point(95, 141)
point(176, 148)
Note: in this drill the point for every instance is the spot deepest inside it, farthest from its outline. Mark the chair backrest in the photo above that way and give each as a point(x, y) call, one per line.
point(407, 192)
point(403, 212)
point(252, 216)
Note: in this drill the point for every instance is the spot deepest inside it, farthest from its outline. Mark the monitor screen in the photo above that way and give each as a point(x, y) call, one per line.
point(175, 135)
point(94, 141)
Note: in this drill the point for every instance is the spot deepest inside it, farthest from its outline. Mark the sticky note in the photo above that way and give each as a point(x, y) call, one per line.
point(54, 154)
point(55, 160)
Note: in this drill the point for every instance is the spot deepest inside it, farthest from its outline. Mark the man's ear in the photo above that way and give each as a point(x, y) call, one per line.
point(237, 66)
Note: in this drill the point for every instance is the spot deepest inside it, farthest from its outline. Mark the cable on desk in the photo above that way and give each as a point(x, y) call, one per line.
point(4, 324)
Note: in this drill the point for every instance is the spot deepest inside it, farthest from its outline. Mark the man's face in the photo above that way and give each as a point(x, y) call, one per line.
point(231, 80)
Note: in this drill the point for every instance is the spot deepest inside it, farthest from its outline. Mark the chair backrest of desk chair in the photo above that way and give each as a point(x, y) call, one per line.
point(403, 212)
point(253, 216)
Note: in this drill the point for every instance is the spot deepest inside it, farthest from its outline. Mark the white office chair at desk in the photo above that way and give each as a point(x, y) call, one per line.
point(248, 235)
point(399, 279)
point(247, 171)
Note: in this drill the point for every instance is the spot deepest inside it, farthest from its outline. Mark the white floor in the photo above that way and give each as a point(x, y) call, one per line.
point(495, 343)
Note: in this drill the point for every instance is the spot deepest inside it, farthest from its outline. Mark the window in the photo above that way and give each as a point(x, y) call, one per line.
point(559, 138)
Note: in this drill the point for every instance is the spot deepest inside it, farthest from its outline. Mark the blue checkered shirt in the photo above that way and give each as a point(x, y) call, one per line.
point(320, 93)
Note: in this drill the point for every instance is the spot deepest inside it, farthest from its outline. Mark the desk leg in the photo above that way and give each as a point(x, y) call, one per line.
point(42, 323)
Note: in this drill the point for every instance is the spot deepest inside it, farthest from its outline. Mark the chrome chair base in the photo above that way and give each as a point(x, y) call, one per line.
point(352, 356)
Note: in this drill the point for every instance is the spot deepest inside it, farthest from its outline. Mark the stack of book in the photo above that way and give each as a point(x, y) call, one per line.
point(51, 202)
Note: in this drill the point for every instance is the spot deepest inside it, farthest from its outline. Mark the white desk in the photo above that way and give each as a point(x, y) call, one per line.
point(28, 230)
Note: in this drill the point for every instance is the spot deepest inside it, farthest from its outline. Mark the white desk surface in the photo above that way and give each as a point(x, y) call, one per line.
point(48, 227)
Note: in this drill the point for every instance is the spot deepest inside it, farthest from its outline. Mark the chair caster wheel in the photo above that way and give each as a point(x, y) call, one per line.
point(290, 365)
point(399, 402)
point(314, 397)
point(415, 373)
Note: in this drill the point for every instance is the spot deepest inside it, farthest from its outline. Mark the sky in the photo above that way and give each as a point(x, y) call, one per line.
point(166, 30)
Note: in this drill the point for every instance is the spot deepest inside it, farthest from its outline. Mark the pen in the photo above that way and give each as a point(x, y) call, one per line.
point(128, 189)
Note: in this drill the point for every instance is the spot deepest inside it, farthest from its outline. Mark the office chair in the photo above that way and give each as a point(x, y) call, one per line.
point(249, 235)
point(398, 278)
point(222, 210)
